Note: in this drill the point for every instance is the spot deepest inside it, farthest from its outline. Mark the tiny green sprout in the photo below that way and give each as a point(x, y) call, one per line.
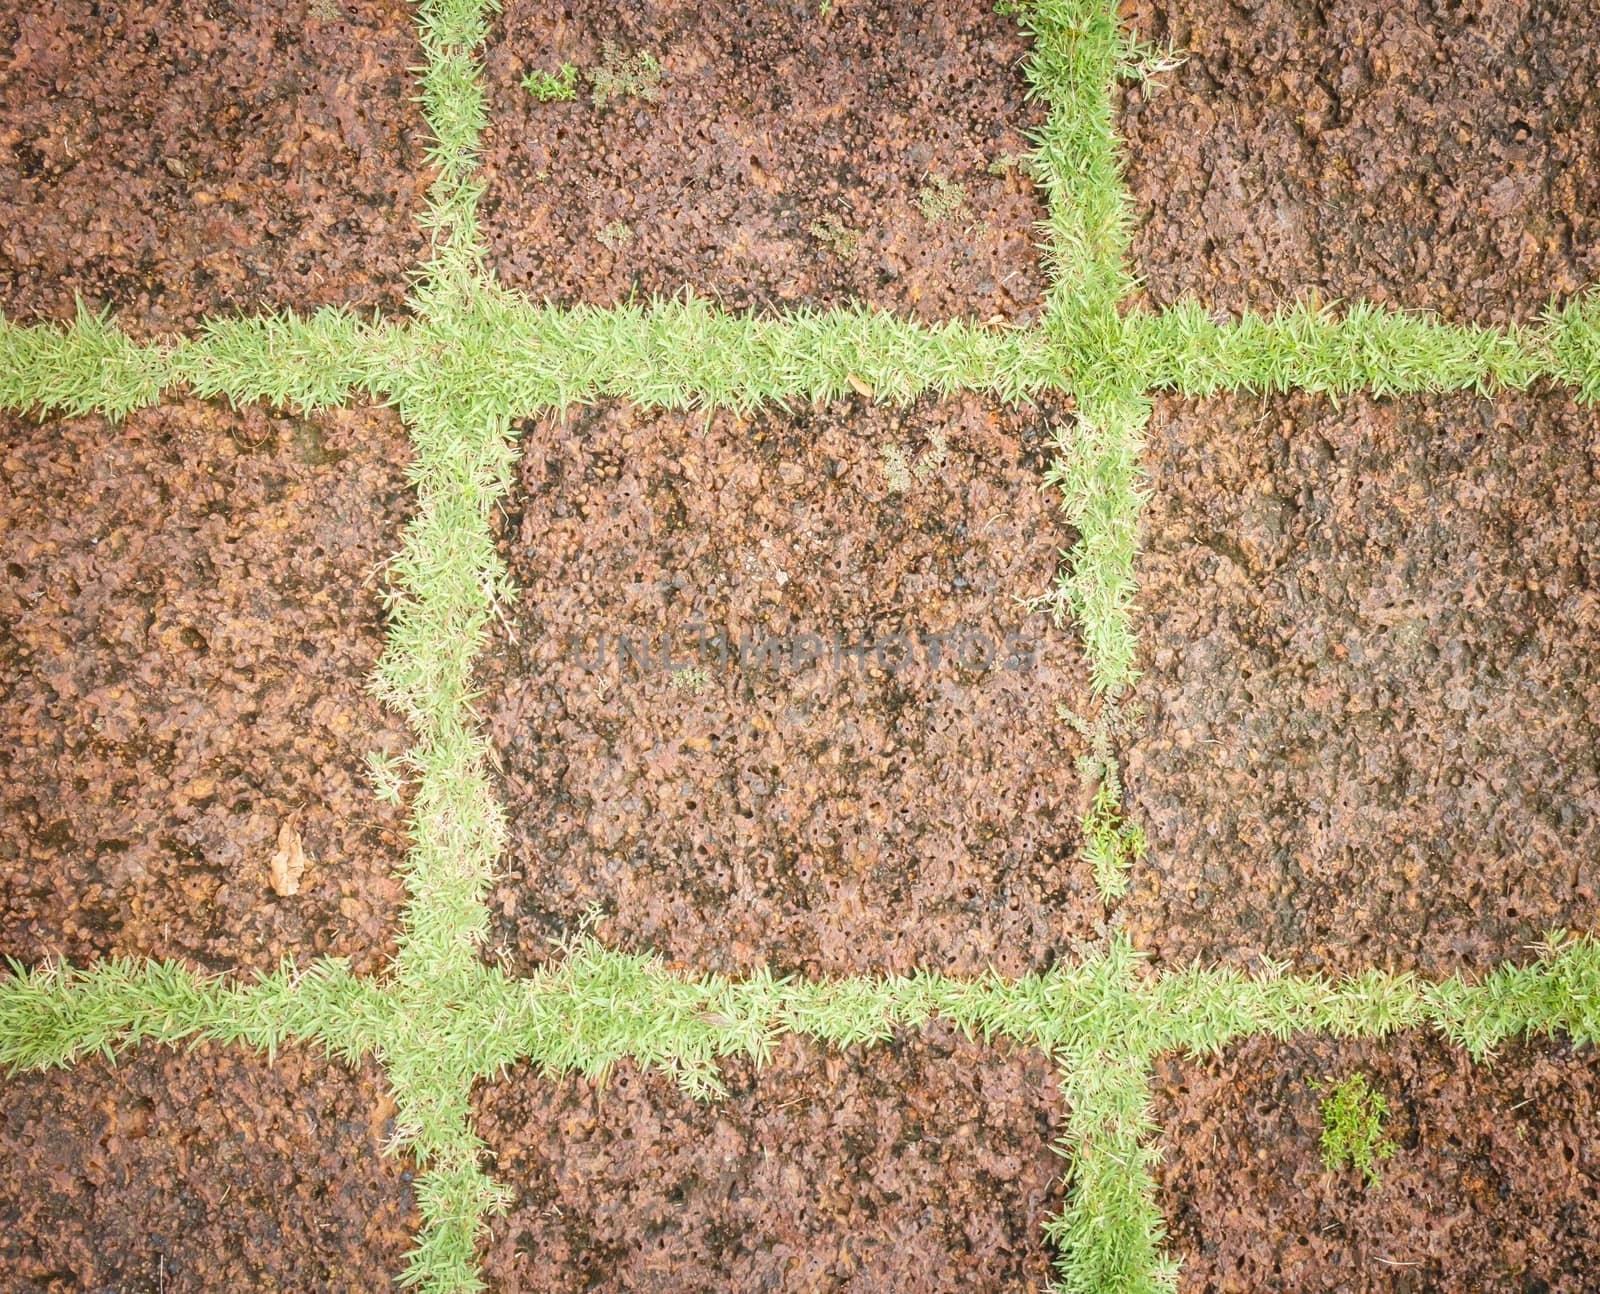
point(615, 235)
point(1111, 844)
point(692, 679)
point(933, 458)
point(635, 76)
point(835, 235)
point(550, 87)
point(896, 470)
point(899, 471)
point(1008, 162)
point(1352, 1127)
point(940, 199)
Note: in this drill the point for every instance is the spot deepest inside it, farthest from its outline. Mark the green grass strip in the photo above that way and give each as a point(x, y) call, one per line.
point(300, 362)
point(1572, 335)
point(446, 584)
point(317, 361)
point(1077, 52)
point(1100, 1018)
point(86, 366)
point(55, 1015)
point(595, 1005)
point(1098, 472)
point(453, 104)
point(1109, 1235)
point(1200, 1011)
point(1366, 347)
point(515, 359)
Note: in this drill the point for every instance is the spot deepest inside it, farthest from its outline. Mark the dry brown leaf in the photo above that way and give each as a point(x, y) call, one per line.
point(289, 863)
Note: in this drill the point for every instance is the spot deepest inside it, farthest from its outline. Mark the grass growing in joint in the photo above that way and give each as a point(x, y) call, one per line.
point(1111, 843)
point(446, 585)
point(1096, 468)
point(1314, 348)
point(88, 365)
point(472, 359)
point(1079, 51)
point(52, 1016)
point(1572, 334)
point(1109, 1236)
point(91, 366)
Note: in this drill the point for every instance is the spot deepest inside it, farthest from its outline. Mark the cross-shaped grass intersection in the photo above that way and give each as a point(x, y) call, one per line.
point(474, 358)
